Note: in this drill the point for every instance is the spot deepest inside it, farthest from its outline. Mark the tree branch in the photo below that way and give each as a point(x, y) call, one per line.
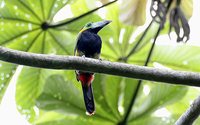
point(191, 114)
point(97, 66)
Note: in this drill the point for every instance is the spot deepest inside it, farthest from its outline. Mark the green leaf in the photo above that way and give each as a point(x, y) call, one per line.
point(133, 12)
point(128, 87)
point(6, 72)
point(30, 80)
point(77, 10)
point(61, 96)
point(197, 121)
point(35, 8)
point(31, 85)
point(184, 56)
point(139, 51)
point(187, 7)
point(159, 96)
point(23, 42)
point(102, 107)
point(101, 97)
point(64, 97)
point(152, 120)
point(57, 5)
point(16, 11)
point(178, 108)
point(62, 42)
point(53, 118)
point(111, 91)
point(8, 34)
point(116, 36)
point(162, 58)
point(77, 25)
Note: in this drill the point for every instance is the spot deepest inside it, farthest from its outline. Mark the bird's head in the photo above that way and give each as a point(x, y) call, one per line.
point(95, 27)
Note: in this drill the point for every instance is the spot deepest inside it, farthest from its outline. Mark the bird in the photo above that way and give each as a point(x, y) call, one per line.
point(89, 45)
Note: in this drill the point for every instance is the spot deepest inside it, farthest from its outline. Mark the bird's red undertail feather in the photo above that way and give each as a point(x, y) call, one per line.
point(86, 79)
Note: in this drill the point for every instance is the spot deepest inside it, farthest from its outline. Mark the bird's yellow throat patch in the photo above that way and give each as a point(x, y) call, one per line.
point(83, 29)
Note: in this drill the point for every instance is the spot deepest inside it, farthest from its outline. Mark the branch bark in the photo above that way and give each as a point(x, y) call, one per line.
point(191, 114)
point(97, 66)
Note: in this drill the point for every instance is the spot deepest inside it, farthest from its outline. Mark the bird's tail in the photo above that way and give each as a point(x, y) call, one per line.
point(88, 98)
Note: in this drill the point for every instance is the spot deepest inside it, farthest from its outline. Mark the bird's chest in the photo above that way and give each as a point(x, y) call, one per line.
point(89, 44)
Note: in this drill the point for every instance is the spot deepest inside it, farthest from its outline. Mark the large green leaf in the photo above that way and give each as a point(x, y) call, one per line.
point(21, 40)
point(6, 72)
point(103, 94)
point(34, 78)
point(62, 42)
point(8, 34)
point(34, 8)
point(127, 45)
point(116, 36)
point(168, 55)
point(112, 95)
point(152, 120)
point(58, 94)
point(17, 11)
point(128, 87)
point(159, 96)
point(21, 29)
point(133, 12)
point(162, 58)
point(30, 80)
point(64, 97)
point(169, 114)
point(53, 118)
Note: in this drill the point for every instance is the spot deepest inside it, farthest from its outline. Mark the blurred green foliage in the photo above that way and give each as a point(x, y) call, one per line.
point(58, 95)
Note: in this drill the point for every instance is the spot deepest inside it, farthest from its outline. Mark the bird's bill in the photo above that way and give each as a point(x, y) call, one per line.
point(101, 24)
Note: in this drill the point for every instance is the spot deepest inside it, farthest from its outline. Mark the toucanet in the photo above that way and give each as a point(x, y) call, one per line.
point(89, 45)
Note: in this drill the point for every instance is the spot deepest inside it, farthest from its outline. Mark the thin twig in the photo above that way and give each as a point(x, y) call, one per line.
point(140, 40)
point(81, 16)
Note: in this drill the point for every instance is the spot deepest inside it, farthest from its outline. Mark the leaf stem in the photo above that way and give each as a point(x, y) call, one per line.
point(81, 16)
point(124, 121)
point(30, 10)
point(139, 41)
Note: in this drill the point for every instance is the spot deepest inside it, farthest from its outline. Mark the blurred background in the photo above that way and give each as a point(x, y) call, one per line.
point(33, 96)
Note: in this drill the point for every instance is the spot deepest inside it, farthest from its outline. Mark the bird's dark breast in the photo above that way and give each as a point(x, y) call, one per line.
point(89, 43)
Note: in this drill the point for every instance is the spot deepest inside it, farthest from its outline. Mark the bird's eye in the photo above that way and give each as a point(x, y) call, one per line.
point(89, 24)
